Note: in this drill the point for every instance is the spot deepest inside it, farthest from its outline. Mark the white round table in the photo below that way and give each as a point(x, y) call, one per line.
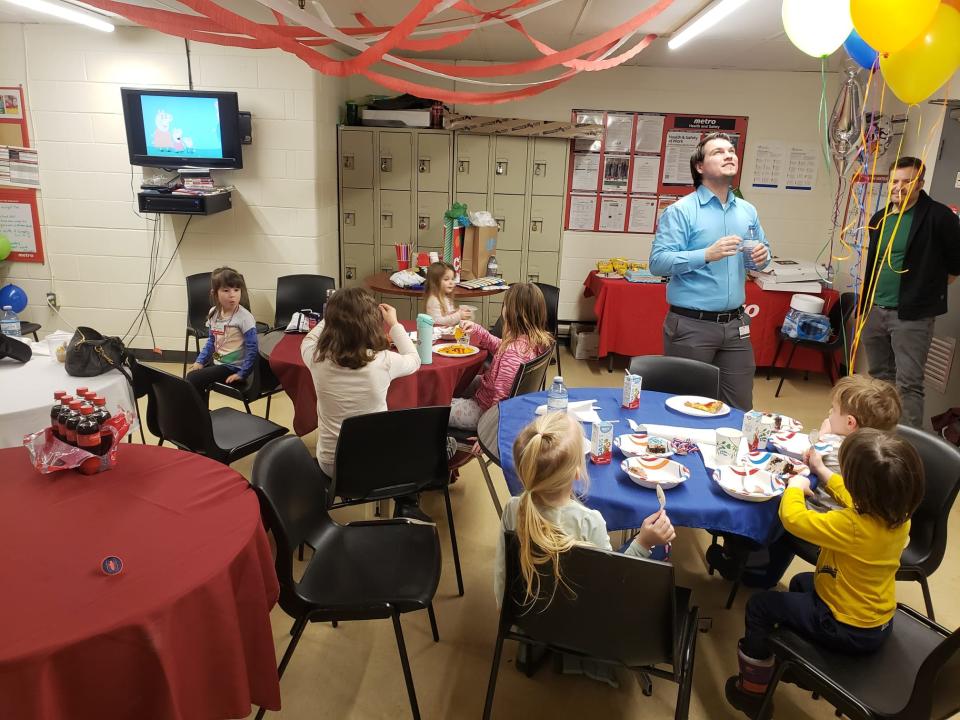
point(26, 394)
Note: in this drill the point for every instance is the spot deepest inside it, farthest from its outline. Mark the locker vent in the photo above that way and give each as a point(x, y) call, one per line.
point(936, 373)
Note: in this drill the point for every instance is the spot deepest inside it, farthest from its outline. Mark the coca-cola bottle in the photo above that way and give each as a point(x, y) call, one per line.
point(62, 417)
point(89, 396)
point(70, 423)
point(81, 391)
point(102, 414)
point(55, 412)
point(88, 431)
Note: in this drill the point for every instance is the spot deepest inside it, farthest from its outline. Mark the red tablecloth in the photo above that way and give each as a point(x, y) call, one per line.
point(433, 384)
point(182, 632)
point(630, 320)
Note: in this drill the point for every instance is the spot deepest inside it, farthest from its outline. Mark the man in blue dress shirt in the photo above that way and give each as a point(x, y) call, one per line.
point(700, 247)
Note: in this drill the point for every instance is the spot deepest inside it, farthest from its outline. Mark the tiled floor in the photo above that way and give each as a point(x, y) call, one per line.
point(354, 672)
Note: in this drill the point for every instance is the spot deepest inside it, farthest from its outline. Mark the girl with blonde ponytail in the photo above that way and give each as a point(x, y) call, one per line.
point(547, 517)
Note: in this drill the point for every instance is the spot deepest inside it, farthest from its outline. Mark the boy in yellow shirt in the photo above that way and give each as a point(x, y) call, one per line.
point(847, 604)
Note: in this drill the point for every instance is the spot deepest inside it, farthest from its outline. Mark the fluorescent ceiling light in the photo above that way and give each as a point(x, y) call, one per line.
point(714, 13)
point(65, 13)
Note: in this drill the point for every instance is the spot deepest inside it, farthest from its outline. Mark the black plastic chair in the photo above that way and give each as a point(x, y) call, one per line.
point(596, 615)
point(839, 322)
point(928, 527)
point(261, 383)
point(551, 295)
point(297, 292)
point(677, 375)
point(198, 307)
point(530, 379)
point(30, 328)
point(913, 675)
point(363, 570)
point(224, 435)
point(395, 453)
point(140, 384)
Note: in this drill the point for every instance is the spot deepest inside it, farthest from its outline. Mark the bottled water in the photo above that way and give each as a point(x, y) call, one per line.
point(10, 325)
point(750, 241)
point(492, 268)
point(557, 396)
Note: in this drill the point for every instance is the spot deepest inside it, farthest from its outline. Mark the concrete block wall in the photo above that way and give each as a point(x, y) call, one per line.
point(284, 216)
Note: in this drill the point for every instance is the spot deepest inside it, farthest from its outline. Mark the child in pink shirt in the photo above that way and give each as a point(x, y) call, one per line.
point(524, 337)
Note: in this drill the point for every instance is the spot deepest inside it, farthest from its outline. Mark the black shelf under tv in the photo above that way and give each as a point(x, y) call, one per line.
point(167, 203)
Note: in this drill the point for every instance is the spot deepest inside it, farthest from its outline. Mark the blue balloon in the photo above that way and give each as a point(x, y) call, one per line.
point(13, 296)
point(861, 53)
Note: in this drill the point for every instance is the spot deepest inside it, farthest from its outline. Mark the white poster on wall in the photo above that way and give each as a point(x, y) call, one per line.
point(643, 214)
point(802, 163)
point(586, 171)
point(649, 133)
point(619, 132)
point(646, 174)
point(769, 166)
point(583, 211)
point(613, 213)
point(676, 160)
point(16, 222)
point(616, 170)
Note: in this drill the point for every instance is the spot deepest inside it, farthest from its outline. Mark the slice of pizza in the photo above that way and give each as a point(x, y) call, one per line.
point(712, 406)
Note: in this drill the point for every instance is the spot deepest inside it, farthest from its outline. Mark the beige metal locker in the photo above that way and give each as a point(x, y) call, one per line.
point(356, 216)
point(430, 209)
point(471, 163)
point(492, 310)
point(358, 263)
point(510, 165)
point(404, 305)
point(546, 223)
point(474, 201)
point(433, 162)
point(395, 160)
point(549, 166)
point(356, 158)
point(394, 224)
point(508, 212)
point(510, 264)
point(543, 267)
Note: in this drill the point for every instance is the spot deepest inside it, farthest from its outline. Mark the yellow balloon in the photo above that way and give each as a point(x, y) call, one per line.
point(916, 72)
point(890, 25)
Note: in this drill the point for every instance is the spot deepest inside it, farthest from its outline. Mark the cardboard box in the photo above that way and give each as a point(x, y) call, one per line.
point(584, 341)
point(478, 245)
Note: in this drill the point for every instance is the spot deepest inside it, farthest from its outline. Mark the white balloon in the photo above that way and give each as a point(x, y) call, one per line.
point(817, 27)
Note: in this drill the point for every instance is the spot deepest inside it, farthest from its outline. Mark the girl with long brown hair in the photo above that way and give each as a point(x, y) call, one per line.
point(349, 358)
point(438, 296)
point(525, 336)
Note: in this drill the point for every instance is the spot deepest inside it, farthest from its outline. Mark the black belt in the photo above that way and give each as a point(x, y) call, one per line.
point(724, 316)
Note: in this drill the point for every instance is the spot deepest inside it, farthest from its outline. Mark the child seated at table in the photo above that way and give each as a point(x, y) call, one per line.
point(439, 296)
point(549, 518)
point(351, 364)
point(232, 346)
point(847, 605)
point(856, 401)
point(525, 336)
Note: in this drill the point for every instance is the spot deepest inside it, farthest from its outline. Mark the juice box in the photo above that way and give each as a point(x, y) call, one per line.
point(631, 391)
point(751, 429)
point(601, 443)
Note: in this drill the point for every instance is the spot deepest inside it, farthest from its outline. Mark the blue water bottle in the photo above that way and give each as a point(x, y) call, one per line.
point(425, 338)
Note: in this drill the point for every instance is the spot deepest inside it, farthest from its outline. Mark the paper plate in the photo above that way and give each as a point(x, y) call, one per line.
point(678, 403)
point(764, 459)
point(787, 424)
point(444, 349)
point(635, 444)
point(794, 444)
point(748, 483)
point(650, 471)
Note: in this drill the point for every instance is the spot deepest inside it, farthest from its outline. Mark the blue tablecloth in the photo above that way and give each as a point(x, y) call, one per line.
point(697, 503)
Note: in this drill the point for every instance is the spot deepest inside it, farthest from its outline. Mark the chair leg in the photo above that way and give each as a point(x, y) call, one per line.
point(407, 677)
point(494, 670)
point(143, 438)
point(776, 354)
point(186, 344)
point(433, 623)
point(766, 707)
point(559, 369)
point(742, 557)
point(793, 349)
point(297, 631)
point(927, 600)
point(247, 406)
point(267, 416)
point(490, 487)
point(453, 539)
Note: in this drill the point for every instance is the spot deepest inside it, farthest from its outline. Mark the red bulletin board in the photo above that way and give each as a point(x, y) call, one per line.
point(19, 218)
point(624, 181)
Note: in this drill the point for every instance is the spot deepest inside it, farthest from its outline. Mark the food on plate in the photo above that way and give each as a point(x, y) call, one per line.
point(712, 406)
point(456, 350)
point(683, 446)
point(657, 446)
point(781, 466)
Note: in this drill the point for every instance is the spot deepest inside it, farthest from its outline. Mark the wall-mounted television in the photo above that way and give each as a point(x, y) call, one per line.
point(179, 128)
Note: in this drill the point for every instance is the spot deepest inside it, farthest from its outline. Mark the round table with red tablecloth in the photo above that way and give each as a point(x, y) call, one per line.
point(183, 631)
point(630, 320)
point(433, 384)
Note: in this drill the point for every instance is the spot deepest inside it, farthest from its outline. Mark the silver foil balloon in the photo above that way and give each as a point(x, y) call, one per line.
point(846, 121)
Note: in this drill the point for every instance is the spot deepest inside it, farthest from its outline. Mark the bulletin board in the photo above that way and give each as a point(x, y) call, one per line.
point(19, 175)
point(625, 180)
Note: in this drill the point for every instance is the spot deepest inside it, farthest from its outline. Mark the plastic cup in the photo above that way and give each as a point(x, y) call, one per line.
point(403, 264)
point(728, 445)
point(472, 309)
point(52, 345)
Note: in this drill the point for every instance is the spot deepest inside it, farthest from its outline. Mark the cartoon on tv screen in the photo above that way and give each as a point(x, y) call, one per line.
point(181, 126)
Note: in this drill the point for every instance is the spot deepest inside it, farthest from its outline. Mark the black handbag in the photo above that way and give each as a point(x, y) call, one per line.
point(89, 353)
